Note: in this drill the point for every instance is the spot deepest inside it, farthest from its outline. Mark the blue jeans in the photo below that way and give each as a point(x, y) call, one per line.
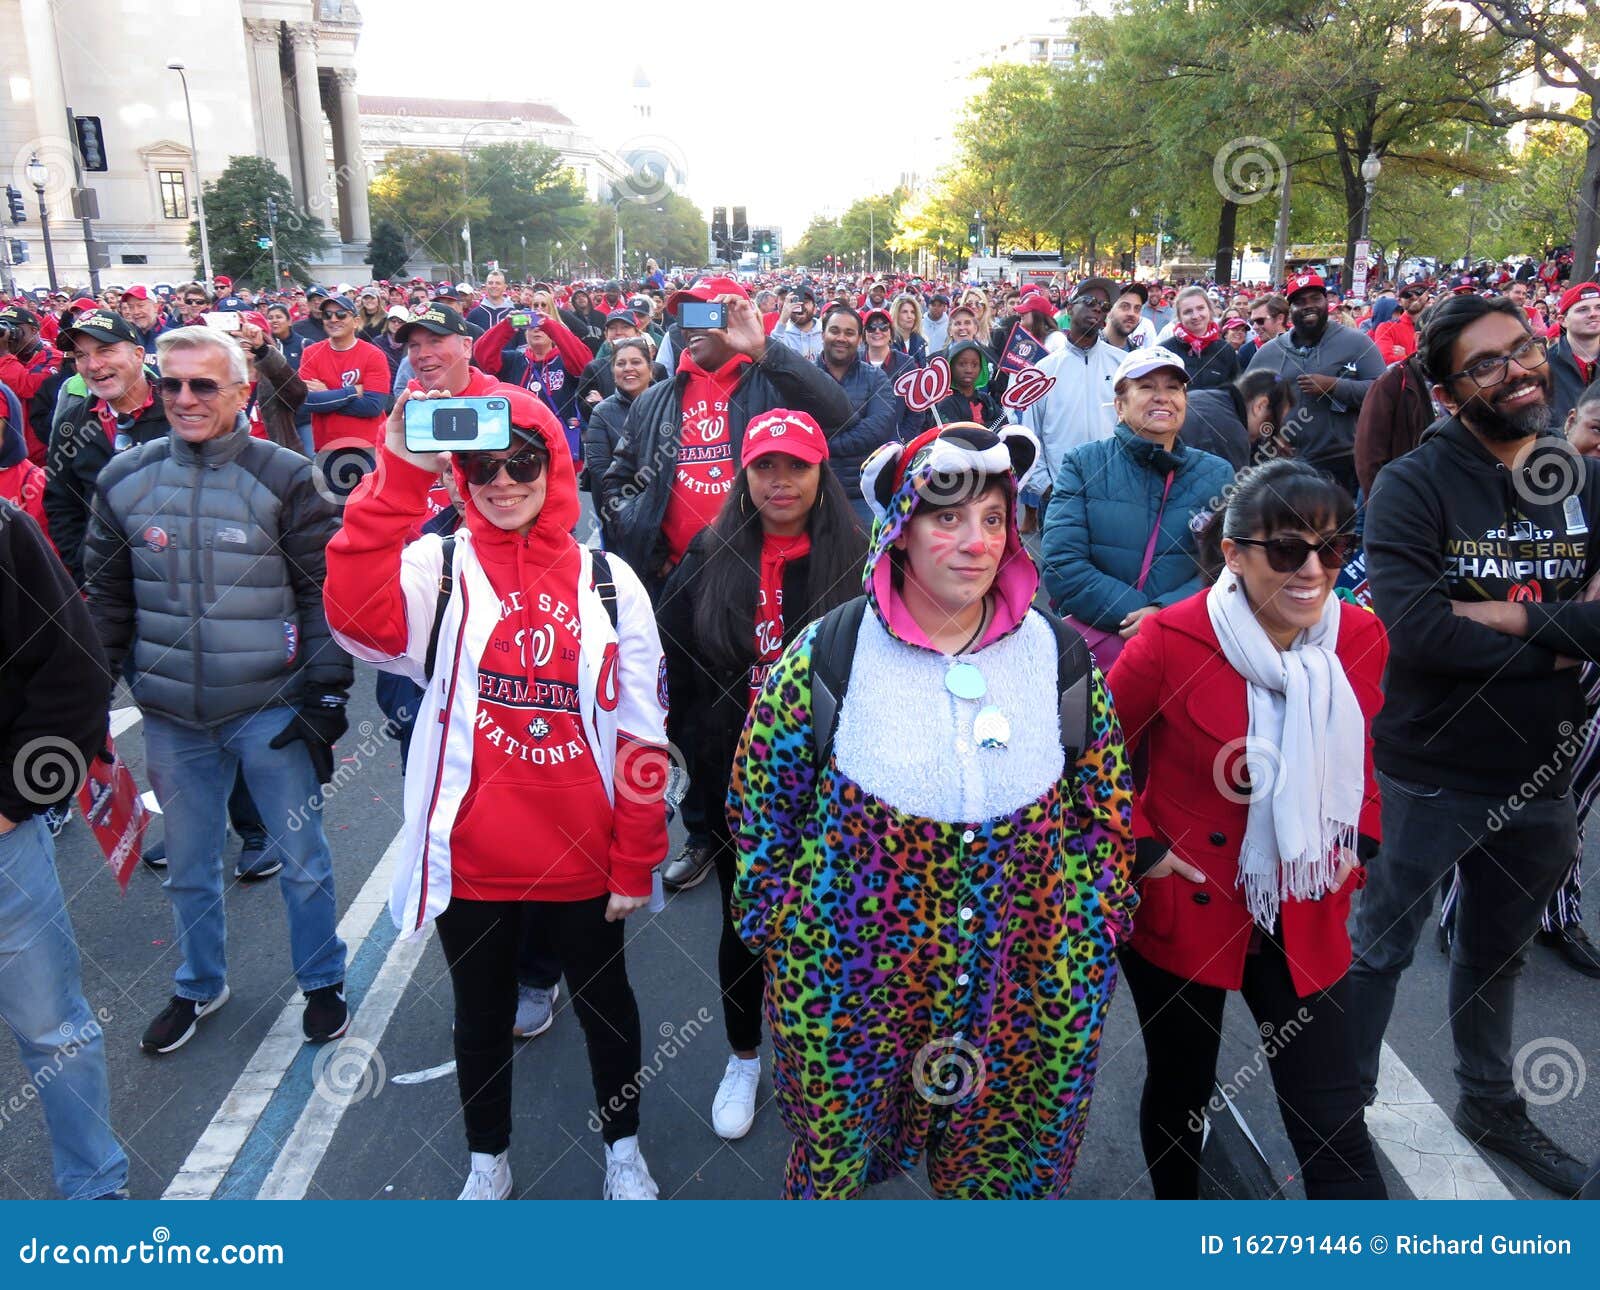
point(41, 1000)
point(192, 771)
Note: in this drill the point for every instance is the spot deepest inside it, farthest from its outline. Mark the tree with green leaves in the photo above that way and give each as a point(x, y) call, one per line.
point(668, 228)
point(387, 252)
point(422, 192)
point(530, 193)
point(236, 221)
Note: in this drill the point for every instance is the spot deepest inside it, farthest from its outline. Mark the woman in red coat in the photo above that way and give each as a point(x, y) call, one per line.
point(1252, 704)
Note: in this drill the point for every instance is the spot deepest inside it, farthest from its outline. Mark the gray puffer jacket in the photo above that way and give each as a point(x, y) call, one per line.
point(207, 560)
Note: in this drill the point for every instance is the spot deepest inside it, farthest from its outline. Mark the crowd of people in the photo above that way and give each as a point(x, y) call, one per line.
point(1016, 639)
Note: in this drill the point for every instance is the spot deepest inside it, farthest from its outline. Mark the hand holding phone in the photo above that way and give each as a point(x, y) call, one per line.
point(523, 319)
point(457, 424)
point(702, 315)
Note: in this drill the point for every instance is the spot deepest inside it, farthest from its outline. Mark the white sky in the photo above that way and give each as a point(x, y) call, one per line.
point(768, 104)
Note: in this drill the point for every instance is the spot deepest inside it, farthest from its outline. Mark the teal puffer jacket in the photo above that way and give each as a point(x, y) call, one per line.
point(1107, 495)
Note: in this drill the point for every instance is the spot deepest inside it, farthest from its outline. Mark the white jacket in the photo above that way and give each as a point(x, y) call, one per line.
point(1078, 409)
point(624, 702)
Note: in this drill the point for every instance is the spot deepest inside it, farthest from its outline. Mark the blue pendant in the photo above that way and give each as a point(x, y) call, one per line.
point(965, 681)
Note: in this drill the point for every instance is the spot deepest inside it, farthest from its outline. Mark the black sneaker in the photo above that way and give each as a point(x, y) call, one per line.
point(155, 855)
point(688, 868)
point(257, 862)
point(1574, 945)
point(326, 1016)
point(1504, 1128)
point(176, 1024)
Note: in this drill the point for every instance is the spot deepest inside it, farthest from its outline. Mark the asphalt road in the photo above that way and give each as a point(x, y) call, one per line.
point(402, 1138)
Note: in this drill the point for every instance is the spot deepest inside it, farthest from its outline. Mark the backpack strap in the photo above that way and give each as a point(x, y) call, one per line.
point(833, 652)
point(1074, 677)
point(447, 585)
point(604, 587)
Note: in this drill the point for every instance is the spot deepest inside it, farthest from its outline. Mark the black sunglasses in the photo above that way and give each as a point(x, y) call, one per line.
point(329, 314)
point(1286, 554)
point(482, 468)
point(202, 387)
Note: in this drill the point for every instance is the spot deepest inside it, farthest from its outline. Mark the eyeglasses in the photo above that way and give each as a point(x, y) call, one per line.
point(878, 326)
point(330, 315)
point(1286, 554)
point(482, 469)
point(195, 300)
point(1259, 323)
point(1491, 371)
point(202, 387)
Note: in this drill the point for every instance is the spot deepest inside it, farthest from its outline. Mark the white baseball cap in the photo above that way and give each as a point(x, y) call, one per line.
point(1141, 362)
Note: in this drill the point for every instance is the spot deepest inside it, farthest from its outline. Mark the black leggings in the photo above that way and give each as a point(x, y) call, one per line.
point(481, 939)
point(1310, 1051)
point(738, 969)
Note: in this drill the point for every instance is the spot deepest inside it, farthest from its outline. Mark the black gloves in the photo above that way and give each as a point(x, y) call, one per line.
point(317, 722)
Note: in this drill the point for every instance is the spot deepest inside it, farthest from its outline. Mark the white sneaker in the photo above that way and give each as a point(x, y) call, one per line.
point(627, 1175)
point(734, 1109)
point(490, 1178)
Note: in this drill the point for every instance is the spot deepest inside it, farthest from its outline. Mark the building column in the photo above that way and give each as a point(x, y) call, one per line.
point(308, 110)
point(355, 216)
point(266, 78)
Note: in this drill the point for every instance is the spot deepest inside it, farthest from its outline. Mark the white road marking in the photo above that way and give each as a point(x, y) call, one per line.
point(124, 719)
point(308, 1143)
point(219, 1145)
point(1425, 1148)
point(422, 1077)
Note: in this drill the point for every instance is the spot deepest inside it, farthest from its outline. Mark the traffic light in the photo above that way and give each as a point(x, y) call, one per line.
point(974, 231)
point(272, 209)
point(91, 142)
point(719, 233)
point(19, 212)
point(739, 234)
point(19, 251)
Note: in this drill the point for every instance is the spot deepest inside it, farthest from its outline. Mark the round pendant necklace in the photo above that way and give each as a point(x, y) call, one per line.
point(963, 679)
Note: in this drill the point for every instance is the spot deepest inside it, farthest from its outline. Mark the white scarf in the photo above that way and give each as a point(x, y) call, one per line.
point(1305, 751)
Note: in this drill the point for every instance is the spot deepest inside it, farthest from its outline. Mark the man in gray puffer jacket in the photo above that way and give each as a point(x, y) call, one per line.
point(205, 557)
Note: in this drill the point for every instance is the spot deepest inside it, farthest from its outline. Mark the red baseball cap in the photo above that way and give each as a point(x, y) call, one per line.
point(782, 430)
point(1036, 302)
point(223, 283)
point(1578, 291)
point(136, 293)
point(706, 289)
point(1299, 282)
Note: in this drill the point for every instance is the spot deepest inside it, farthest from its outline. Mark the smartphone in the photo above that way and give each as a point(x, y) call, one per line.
point(458, 425)
point(522, 320)
point(222, 321)
point(701, 315)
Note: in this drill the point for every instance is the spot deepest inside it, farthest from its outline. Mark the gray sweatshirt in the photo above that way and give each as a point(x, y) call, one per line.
point(1322, 427)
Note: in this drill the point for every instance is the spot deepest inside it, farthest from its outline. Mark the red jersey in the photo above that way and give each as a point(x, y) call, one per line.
point(362, 364)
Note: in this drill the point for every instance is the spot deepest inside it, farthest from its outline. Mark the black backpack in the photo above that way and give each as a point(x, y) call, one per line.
point(833, 651)
point(447, 584)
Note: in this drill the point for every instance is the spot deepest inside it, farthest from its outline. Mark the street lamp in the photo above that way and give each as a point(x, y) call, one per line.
point(1371, 168)
point(199, 188)
point(466, 226)
point(38, 175)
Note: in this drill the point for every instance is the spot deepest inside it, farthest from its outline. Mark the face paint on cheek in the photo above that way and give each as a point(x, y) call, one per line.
point(942, 546)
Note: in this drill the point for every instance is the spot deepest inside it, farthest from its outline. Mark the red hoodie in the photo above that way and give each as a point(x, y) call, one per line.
point(705, 469)
point(535, 823)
